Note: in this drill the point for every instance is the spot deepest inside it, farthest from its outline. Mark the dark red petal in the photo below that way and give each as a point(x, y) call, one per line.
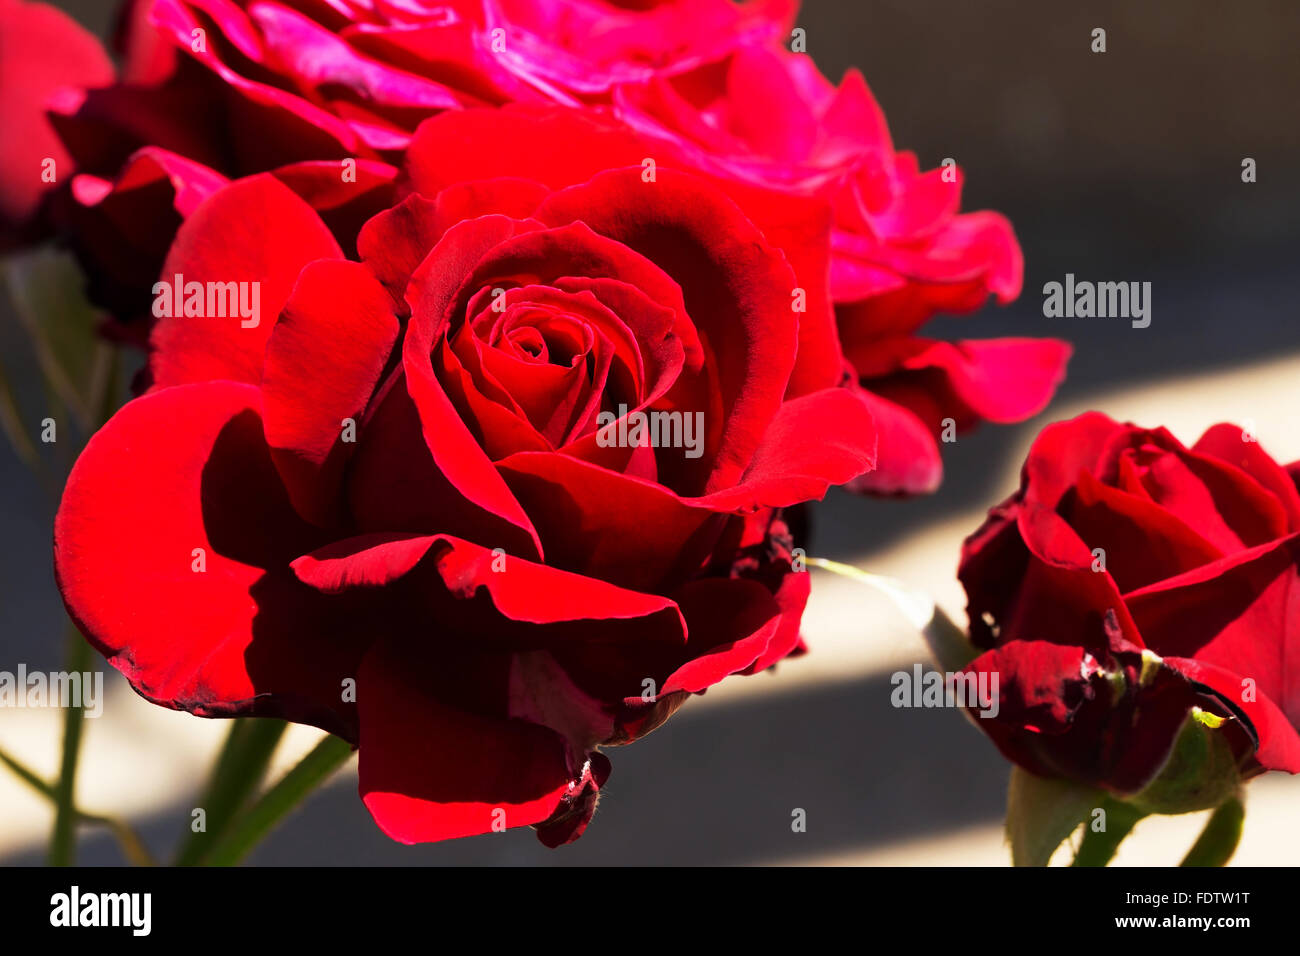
point(1041, 684)
point(1241, 613)
point(593, 521)
point(1224, 505)
point(254, 230)
point(394, 483)
point(431, 291)
point(343, 205)
point(1034, 578)
point(395, 242)
point(1061, 451)
point(737, 291)
point(651, 324)
point(556, 256)
point(570, 819)
point(1231, 444)
point(431, 771)
point(520, 590)
point(182, 469)
point(121, 230)
point(492, 416)
point(1057, 715)
point(555, 397)
point(323, 363)
point(731, 623)
point(1142, 541)
point(815, 441)
point(1253, 511)
point(791, 597)
point(1279, 740)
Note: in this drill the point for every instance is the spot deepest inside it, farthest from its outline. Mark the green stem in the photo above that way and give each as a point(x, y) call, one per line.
point(948, 643)
point(1097, 849)
point(78, 659)
point(133, 847)
point(62, 850)
point(238, 773)
point(330, 754)
point(1218, 841)
point(27, 775)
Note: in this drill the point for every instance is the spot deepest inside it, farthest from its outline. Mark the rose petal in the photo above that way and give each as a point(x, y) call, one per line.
point(737, 290)
point(256, 231)
point(323, 363)
point(41, 50)
point(907, 455)
point(177, 471)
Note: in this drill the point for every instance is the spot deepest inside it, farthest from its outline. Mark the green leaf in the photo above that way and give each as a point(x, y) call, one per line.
point(13, 424)
point(238, 773)
point(948, 643)
point(47, 289)
point(313, 770)
point(1042, 813)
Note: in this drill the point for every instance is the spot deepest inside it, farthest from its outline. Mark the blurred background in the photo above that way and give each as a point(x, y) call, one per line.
point(1117, 166)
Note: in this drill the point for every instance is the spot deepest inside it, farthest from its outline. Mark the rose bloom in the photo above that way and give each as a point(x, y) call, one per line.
point(253, 85)
point(1129, 580)
point(214, 91)
point(901, 252)
point(396, 476)
point(217, 91)
point(42, 50)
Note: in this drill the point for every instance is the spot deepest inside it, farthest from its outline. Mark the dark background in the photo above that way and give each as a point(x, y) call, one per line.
point(1117, 166)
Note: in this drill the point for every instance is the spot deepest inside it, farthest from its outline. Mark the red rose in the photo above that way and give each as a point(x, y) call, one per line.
point(900, 251)
point(247, 85)
point(221, 91)
point(122, 228)
point(579, 50)
point(212, 92)
point(44, 54)
point(404, 473)
point(1128, 581)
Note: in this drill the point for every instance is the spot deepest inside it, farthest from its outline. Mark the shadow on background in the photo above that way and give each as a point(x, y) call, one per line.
point(715, 785)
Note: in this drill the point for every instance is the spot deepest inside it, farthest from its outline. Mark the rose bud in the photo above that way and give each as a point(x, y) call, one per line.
point(1137, 601)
